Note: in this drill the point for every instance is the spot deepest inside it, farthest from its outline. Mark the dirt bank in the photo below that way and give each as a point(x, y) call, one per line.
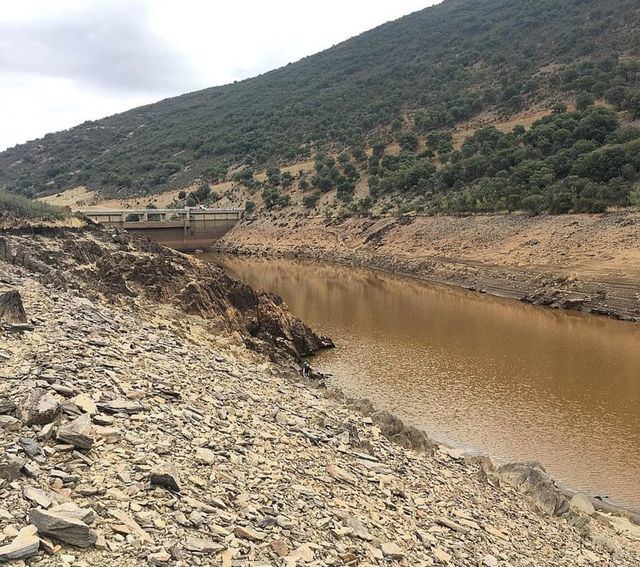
point(583, 262)
point(150, 414)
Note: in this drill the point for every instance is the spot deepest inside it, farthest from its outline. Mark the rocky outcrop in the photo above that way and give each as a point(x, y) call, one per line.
point(532, 480)
point(11, 308)
point(123, 266)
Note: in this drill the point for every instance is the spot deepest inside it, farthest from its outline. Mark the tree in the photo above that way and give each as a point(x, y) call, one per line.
point(408, 141)
point(584, 100)
point(203, 192)
point(310, 201)
point(634, 105)
point(359, 154)
point(616, 96)
point(534, 204)
point(559, 108)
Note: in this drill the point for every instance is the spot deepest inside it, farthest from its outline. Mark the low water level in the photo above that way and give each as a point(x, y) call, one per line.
point(489, 375)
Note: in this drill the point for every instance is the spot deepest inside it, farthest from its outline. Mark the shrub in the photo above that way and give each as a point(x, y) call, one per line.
point(19, 207)
point(310, 201)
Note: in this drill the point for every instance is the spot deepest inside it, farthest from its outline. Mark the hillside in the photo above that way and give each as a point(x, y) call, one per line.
point(414, 84)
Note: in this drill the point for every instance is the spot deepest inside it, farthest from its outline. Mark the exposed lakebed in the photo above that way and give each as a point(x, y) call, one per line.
point(489, 375)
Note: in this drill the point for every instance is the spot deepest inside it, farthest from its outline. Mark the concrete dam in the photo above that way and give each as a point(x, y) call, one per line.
point(182, 229)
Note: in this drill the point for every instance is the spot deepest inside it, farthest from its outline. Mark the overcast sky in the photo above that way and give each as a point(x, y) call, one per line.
point(66, 61)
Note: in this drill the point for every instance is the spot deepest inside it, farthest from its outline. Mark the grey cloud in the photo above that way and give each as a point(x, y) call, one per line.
point(108, 45)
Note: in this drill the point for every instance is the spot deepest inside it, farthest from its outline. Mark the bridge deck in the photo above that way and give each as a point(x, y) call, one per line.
point(183, 229)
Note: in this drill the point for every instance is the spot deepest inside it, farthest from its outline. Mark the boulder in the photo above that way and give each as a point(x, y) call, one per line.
point(77, 432)
point(10, 467)
point(531, 479)
point(65, 523)
point(166, 475)
point(26, 544)
point(11, 308)
point(581, 505)
point(41, 408)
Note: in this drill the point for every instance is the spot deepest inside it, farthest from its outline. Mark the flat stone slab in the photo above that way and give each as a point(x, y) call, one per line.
point(25, 545)
point(77, 432)
point(64, 525)
point(120, 405)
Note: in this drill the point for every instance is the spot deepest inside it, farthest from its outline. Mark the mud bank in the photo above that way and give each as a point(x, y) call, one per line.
point(151, 415)
point(580, 262)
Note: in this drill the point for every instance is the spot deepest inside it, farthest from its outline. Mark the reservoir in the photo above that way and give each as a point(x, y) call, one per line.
point(492, 376)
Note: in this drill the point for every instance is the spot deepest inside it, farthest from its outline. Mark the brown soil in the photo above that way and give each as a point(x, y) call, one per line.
point(584, 262)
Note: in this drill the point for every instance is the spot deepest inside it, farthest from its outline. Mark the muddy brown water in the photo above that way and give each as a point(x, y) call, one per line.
point(490, 375)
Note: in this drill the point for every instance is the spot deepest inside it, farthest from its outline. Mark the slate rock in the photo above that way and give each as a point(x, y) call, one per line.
point(10, 467)
point(77, 432)
point(41, 408)
point(119, 405)
point(6, 406)
point(85, 403)
point(248, 533)
point(37, 495)
point(64, 525)
point(166, 476)
point(10, 423)
point(392, 550)
point(26, 544)
point(205, 456)
point(11, 308)
point(205, 546)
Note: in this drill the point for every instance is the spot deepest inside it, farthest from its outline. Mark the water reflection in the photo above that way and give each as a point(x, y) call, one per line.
point(491, 375)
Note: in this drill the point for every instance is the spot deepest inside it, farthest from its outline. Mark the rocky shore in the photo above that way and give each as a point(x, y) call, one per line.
point(588, 263)
point(151, 413)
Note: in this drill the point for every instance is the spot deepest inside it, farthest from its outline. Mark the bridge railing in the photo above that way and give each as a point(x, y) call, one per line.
point(123, 216)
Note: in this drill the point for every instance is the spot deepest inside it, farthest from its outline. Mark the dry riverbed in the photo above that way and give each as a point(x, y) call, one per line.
point(151, 413)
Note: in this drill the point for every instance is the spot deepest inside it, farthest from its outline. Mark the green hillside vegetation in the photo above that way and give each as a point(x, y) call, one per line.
point(14, 206)
point(409, 81)
point(580, 162)
point(567, 162)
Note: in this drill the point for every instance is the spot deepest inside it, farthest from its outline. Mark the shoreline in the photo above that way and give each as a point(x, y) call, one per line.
point(483, 254)
point(423, 436)
point(266, 467)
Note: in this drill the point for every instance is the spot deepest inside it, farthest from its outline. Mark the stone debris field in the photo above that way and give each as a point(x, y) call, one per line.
point(132, 433)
